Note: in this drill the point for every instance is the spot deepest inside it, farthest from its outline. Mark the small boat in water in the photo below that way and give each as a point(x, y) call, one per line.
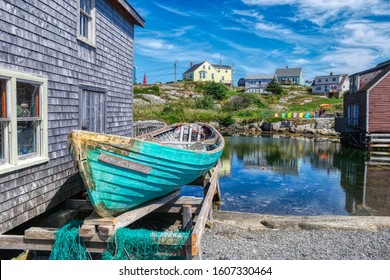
point(121, 173)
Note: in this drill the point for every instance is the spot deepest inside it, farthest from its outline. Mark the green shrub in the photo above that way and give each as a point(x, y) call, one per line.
point(199, 87)
point(226, 120)
point(147, 90)
point(172, 115)
point(206, 102)
point(217, 91)
point(243, 101)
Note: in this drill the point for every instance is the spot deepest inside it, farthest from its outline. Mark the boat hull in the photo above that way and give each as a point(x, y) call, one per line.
point(122, 173)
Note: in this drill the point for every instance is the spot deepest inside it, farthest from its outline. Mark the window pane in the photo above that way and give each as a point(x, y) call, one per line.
point(84, 25)
point(27, 137)
point(3, 100)
point(85, 5)
point(27, 100)
point(2, 142)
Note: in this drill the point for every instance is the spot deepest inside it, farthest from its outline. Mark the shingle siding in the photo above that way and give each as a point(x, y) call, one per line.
point(39, 37)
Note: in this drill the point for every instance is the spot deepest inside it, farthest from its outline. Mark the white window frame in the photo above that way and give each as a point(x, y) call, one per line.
point(15, 162)
point(91, 40)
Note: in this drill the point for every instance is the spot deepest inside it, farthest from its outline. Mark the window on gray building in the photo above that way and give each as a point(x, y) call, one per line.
point(23, 120)
point(4, 121)
point(86, 23)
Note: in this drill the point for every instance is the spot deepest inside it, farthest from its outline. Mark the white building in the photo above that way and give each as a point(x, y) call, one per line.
point(257, 83)
point(331, 85)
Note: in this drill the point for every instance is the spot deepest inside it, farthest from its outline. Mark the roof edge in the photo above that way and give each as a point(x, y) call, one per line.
point(138, 20)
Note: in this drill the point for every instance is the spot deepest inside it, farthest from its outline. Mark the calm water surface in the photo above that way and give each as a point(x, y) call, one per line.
point(299, 177)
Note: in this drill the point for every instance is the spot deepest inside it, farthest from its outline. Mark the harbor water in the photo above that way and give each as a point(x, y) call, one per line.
point(299, 176)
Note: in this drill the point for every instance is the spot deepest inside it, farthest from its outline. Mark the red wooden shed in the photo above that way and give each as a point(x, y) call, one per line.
point(366, 120)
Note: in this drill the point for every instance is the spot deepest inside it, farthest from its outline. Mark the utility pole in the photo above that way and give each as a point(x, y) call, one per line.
point(232, 81)
point(175, 66)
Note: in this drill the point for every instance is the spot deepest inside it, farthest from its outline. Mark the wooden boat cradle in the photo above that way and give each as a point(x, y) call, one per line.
point(95, 230)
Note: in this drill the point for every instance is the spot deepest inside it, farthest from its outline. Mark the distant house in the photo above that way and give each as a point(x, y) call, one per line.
point(289, 76)
point(331, 85)
point(257, 83)
point(64, 65)
point(366, 108)
point(241, 82)
point(207, 72)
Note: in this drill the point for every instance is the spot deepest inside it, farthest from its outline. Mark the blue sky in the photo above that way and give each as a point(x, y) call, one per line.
point(257, 36)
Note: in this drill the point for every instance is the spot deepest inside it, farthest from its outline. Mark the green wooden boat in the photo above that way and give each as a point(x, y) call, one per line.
point(121, 173)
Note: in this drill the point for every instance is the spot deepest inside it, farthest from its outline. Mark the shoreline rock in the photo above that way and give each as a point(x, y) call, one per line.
point(316, 129)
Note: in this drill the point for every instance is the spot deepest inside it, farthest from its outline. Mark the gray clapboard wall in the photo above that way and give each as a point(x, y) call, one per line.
point(40, 37)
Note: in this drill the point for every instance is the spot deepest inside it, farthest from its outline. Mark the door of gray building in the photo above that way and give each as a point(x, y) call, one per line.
point(93, 104)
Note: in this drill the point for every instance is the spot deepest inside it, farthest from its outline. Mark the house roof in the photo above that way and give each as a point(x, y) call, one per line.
point(260, 77)
point(196, 66)
point(327, 76)
point(343, 78)
point(125, 5)
point(378, 67)
point(385, 67)
point(288, 72)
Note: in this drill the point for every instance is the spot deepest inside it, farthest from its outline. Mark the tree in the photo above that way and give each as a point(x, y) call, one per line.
point(274, 87)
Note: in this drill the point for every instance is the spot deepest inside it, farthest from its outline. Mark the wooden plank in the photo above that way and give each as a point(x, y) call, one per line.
point(38, 233)
point(187, 225)
point(78, 204)
point(87, 231)
point(378, 140)
point(19, 242)
point(130, 216)
point(198, 230)
point(95, 219)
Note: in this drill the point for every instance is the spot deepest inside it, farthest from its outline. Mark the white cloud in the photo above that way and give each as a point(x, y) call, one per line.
point(269, 2)
point(374, 35)
point(321, 12)
point(248, 13)
point(300, 50)
point(155, 44)
point(173, 10)
point(298, 62)
point(164, 51)
point(348, 60)
point(173, 33)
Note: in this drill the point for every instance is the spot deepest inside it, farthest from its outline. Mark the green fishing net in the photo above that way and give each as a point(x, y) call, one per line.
point(68, 245)
point(125, 244)
point(142, 244)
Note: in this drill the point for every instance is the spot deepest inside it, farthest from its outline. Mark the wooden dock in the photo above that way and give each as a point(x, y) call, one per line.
point(188, 213)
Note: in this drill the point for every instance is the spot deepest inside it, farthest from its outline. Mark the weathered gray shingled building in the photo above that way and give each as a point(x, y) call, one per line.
point(64, 65)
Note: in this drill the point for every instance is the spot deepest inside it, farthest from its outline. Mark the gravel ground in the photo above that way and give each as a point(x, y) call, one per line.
point(240, 241)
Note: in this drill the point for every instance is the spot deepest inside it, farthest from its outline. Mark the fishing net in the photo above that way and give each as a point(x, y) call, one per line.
point(68, 245)
point(125, 244)
point(142, 244)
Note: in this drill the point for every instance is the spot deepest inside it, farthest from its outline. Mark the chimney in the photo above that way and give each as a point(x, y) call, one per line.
point(331, 73)
point(286, 67)
point(191, 64)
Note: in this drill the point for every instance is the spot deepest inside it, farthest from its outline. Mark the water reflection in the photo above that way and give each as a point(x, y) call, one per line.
point(300, 177)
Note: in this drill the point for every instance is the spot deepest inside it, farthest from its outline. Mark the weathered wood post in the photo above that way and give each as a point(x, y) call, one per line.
point(187, 225)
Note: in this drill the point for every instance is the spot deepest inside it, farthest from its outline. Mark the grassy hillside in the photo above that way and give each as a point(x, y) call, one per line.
point(206, 102)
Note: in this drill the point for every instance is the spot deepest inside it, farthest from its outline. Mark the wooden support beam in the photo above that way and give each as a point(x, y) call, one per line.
point(108, 226)
point(200, 224)
point(187, 225)
point(19, 242)
point(78, 204)
point(187, 217)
